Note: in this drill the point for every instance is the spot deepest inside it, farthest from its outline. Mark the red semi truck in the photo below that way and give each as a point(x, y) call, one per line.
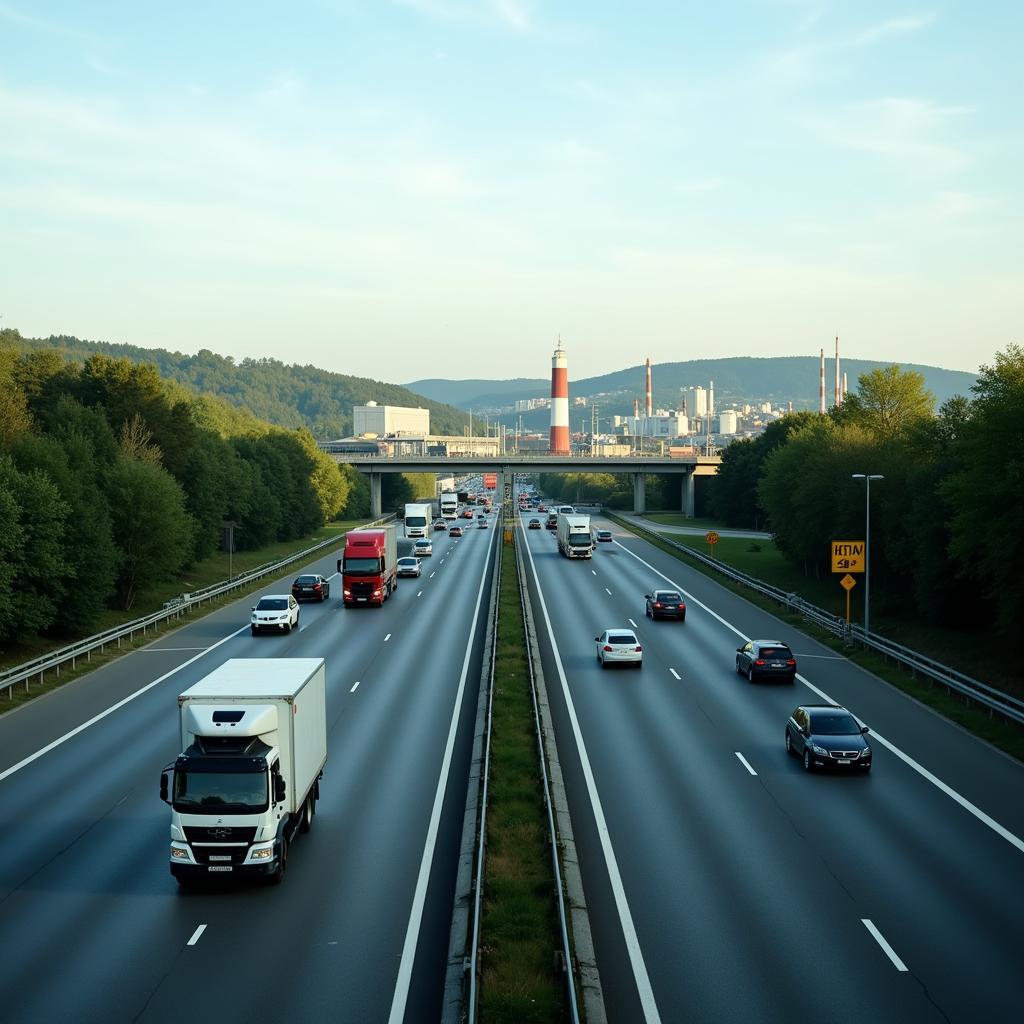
point(368, 568)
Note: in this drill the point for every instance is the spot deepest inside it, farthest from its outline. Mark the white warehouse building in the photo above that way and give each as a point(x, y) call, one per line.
point(727, 422)
point(389, 420)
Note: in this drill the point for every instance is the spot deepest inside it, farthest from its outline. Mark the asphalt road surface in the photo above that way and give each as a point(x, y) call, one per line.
point(725, 883)
point(93, 927)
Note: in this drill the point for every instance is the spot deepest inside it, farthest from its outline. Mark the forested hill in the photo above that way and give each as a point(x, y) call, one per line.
point(288, 396)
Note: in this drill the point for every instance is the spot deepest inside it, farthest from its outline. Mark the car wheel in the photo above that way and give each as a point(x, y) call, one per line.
point(789, 744)
point(739, 670)
point(682, 618)
point(647, 610)
point(254, 630)
point(808, 767)
point(750, 674)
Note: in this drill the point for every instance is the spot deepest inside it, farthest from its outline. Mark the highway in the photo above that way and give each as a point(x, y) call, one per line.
point(93, 927)
point(724, 883)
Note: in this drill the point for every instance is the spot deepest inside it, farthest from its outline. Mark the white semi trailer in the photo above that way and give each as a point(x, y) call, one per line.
point(253, 749)
point(574, 540)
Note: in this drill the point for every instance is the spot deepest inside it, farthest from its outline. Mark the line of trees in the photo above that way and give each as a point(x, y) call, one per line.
point(113, 480)
point(947, 522)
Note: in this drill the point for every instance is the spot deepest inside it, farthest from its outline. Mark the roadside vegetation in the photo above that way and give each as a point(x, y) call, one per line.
point(519, 931)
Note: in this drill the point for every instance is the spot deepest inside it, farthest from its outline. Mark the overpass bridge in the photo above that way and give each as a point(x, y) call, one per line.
point(638, 466)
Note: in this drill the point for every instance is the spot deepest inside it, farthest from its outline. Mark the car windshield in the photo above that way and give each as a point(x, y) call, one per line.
point(604, 533)
point(307, 580)
point(220, 792)
point(776, 652)
point(621, 638)
point(362, 566)
point(408, 561)
point(834, 725)
point(668, 596)
point(272, 604)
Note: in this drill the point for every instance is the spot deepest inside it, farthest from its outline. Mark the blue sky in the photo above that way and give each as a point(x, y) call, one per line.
point(442, 187)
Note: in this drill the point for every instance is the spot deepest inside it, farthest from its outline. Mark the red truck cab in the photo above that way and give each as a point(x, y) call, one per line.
point(368, 569)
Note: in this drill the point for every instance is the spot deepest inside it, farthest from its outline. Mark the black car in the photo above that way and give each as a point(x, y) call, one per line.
point(828, 736)
point(665, 604)
point(766, 659)
point(534, 524)
point(311, 588)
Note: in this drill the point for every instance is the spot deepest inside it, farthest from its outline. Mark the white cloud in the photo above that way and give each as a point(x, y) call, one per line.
point(894, 27)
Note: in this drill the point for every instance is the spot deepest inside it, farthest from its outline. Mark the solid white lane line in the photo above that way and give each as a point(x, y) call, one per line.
point(301, 628)
point(196, 934)
point(114, 707)
point(420, 594)
point(675, 673)
point(966, 804)
point(412, 932)
point(162, 650)
point(745, 763)
point(880, 939)
point(607, 591)
point(355, 686)
point(636, 957)
point(632, 623)
point(387, 638)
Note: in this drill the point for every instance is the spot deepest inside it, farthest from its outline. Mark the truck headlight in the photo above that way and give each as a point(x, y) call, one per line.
point(263, 854)
point(177, 853)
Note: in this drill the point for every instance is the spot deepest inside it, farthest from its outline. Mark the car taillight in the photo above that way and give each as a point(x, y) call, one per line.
point(316, 586)
point(791, 661)
point(759, 661)
point(608, 647)
point(638, 648)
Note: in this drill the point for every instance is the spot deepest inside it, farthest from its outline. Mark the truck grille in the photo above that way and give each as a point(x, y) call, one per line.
point(362, 589)
point(220, 834)
point(216, 854)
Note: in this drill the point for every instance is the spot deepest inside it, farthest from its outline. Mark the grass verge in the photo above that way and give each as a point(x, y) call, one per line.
point(1007, 736)
point(519, 981)
point(211, 570)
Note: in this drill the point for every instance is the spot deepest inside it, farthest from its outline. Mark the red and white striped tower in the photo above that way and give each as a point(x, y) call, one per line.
point(636, 408)
point(821, 385)
point(559, 443)
point(838, 393)
point(648, 404)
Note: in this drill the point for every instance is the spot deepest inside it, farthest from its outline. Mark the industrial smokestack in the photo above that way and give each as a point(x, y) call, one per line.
point(648, 406)
point(837, 395)
point(711, 400)
point(821, 385)
point(790, 409)
point(559, 442)
point(636, 408)
point(842, 395)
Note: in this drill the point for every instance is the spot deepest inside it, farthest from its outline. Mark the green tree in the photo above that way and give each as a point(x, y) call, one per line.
point(888, 402)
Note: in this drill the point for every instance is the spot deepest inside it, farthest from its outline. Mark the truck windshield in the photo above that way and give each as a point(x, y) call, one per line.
point(362, 566)
point(220, 792)
point(415, 520)
point(579, 540)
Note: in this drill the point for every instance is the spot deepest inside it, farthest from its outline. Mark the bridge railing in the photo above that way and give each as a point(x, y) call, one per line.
point(53, 661)
point(996, 701)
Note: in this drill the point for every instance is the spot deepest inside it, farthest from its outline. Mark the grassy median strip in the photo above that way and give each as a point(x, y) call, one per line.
point(519, 930)
point(1005, 735)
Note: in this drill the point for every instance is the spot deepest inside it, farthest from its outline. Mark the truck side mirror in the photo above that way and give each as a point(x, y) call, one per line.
point(339, 566)
point(163, 787)
point(279, 789)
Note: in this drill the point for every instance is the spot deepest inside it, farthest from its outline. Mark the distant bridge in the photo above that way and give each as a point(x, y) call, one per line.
point(638, 466)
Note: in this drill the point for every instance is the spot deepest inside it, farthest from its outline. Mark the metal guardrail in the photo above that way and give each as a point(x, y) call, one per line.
point(972, 690)
point(53, 660)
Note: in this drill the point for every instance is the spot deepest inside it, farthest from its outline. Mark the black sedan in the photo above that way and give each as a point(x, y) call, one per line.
point(766, 659)
point(311, 588)
point(665, 604)
point(828, 736)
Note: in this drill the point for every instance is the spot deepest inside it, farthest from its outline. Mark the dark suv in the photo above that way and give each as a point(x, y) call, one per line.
point(766, 659)
point(828, 736)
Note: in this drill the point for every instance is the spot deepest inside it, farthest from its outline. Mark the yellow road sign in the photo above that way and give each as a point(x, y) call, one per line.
point(848, 582)
point(711, 537)
point(847, 556)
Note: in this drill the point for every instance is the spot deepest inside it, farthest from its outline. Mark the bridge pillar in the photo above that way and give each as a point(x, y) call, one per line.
point(639, 493)
point(375, 509)
point(688, 494)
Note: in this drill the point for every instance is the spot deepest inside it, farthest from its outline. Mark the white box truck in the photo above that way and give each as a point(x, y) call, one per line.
point(418, 518)
point(574, 540)
point(449, 505)
point(253, 749)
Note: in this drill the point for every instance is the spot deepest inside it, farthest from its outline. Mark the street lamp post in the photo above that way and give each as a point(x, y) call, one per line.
point(867, 478)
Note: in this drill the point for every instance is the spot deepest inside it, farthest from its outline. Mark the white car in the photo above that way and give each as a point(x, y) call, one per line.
point(409, 566)
point(423, 548)
point(278, 613)
point(619, 645)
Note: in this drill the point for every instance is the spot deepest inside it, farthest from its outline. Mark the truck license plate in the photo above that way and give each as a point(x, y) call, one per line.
point(221, 856)
point(220, 867)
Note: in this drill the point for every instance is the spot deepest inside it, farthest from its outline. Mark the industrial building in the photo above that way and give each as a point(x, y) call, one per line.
point(373, 420)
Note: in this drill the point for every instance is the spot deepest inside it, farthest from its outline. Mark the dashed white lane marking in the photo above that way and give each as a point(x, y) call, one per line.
point(966, 804)
point(442, 561)
point(420, 594)
point(745, 763)
point(632, 623)
point(675, 673)
point(355, 687)
point(607, 591)
point(880, 939)
point(301, 628)
point(114, 707)
point(432, 575)
point(387, 638)
point(196, 935)
point(593, 572)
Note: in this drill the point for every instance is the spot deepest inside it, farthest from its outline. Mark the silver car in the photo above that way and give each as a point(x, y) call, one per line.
point(409, 566)
point(616, 646)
